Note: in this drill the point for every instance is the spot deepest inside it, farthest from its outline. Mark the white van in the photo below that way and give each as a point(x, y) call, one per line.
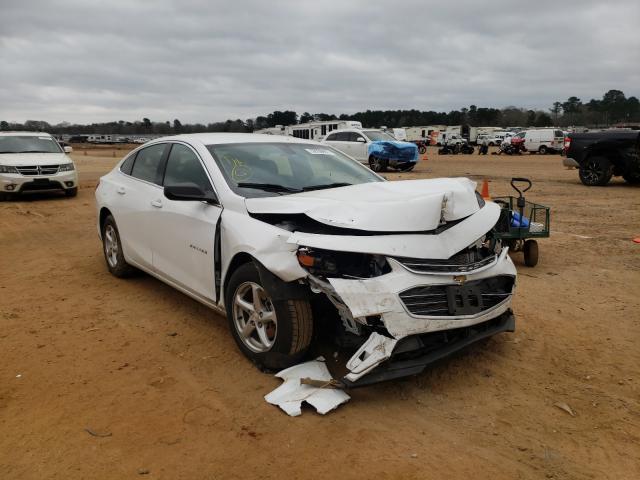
point(543, 140)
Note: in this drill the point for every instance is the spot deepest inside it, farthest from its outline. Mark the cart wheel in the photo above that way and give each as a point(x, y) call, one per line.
point(530, 253)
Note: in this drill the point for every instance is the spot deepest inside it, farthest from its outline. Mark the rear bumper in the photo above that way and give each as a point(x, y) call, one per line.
point(570, 163)
point(413, 354)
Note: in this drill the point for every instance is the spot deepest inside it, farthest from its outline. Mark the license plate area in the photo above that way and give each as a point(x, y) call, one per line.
point(41, 181)
point(464, 300)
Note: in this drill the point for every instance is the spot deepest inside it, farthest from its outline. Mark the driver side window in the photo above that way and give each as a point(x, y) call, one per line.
point(184, 166)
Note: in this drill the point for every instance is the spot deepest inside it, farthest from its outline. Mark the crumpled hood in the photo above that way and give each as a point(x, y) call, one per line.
point(402, 206)
point(26, 159)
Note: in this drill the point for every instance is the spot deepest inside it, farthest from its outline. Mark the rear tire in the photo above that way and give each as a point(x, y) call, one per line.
point(422, 150)
point(272, 334)
point(112, 249)
point(595, 171)
point(530, 253)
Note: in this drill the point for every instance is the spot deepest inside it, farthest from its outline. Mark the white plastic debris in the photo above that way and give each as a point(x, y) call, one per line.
point(290, 395)
point(372, 353)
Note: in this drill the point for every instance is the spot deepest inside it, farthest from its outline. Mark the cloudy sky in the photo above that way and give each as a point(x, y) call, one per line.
point(203, 61)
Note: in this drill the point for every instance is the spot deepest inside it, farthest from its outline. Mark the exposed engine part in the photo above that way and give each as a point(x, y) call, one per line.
point(320, 286)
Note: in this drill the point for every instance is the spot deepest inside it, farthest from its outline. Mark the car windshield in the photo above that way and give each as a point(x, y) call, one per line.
point(29, 144)
point(375, 135)
point(267, 169)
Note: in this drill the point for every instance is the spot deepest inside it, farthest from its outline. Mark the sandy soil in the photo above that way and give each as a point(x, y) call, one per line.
point(158, 378)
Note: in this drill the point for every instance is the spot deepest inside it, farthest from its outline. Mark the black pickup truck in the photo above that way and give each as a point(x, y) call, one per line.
point(600, 155)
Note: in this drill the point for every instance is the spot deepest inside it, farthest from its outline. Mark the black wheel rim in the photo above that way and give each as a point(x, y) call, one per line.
point(593, 172)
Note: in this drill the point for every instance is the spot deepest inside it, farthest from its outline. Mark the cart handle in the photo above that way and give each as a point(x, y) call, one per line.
point(520, 179)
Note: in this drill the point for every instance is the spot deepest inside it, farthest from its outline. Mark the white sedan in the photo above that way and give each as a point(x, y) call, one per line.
point(292, 239)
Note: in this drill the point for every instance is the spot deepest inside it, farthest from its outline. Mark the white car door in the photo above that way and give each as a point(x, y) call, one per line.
point(131, 192)
point(339, 141)
point(359, 147)
point(184, 231)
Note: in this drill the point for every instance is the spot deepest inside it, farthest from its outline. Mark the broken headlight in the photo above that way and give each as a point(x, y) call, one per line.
point(326, 263)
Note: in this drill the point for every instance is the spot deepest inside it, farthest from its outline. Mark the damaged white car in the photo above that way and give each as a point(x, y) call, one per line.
point(295, 241)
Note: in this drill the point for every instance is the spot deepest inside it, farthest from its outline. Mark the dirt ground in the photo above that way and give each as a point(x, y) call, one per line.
point(108, 378)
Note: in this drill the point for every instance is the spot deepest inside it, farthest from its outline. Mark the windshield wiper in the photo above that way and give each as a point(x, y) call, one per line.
point(326, 185)
point(269, 187)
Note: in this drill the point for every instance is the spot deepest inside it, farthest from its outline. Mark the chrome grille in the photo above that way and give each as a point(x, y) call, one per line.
point(469, 298)
point(467, 260)
point(32, 170)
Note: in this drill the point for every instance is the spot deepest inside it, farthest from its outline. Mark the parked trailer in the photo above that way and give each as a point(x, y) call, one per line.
point(318, 130)
point(102, 139)
point(423, 133)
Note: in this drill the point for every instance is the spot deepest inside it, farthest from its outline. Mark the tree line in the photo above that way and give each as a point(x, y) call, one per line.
point(614, 108)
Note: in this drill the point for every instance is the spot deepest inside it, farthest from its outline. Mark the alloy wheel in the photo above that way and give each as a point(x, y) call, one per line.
point(111, 247)
point(254, 317)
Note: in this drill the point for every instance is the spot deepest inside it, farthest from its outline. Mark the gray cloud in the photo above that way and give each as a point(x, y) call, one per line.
point(205, 61)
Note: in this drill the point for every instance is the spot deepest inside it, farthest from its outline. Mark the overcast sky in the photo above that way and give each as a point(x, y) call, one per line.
point(204, 61)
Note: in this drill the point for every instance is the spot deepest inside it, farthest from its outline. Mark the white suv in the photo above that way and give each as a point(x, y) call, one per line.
point(34, 161)
point(295, 241)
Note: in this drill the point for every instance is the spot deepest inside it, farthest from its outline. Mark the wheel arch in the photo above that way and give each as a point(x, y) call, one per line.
point(278, 288)
point(104, 213)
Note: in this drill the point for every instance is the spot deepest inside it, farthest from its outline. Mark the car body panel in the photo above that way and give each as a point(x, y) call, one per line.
point(375, 206)
point(414, 245)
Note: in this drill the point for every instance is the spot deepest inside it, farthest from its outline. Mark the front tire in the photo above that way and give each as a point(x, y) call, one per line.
point(595, 171)
point(542, 150)
point(272, 334)
point(112, 249)
point(422, 150)
point(377, 164)
point(71, 192)
point(530, 253)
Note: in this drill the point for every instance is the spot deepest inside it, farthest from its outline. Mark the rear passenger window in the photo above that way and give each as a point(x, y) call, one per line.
point(127, 164)
point(183, 166)
point(332, 137)
point(147, 164)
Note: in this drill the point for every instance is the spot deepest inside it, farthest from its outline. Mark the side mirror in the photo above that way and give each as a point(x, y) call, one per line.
point(68, 149)
point(360, 139)
point(189, 192)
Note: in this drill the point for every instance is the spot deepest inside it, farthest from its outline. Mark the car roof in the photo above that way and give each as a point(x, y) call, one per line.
point(222, 138)
point(24, 134)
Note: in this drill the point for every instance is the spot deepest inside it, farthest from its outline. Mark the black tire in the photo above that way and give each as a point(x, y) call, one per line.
point(294, 324)
point(422, 150)
point(491, 144)
point(542, 150)
point(378, 164)
point(530, 253)
point(116, 263)
point(71, 192)
point(595, 171)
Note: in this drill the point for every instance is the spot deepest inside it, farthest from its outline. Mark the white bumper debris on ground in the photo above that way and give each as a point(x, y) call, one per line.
point(290, 395)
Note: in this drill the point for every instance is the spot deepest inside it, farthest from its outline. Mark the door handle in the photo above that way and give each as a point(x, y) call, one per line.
point(156, 203)
point(121, 190)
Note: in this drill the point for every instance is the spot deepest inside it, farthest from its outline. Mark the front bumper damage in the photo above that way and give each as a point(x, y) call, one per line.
point(409, 341)
point(381, 358)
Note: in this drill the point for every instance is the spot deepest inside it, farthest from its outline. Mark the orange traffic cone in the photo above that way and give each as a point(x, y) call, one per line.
point(485, 190)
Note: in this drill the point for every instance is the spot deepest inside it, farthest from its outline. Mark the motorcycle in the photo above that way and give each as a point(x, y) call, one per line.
point(458, 147)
